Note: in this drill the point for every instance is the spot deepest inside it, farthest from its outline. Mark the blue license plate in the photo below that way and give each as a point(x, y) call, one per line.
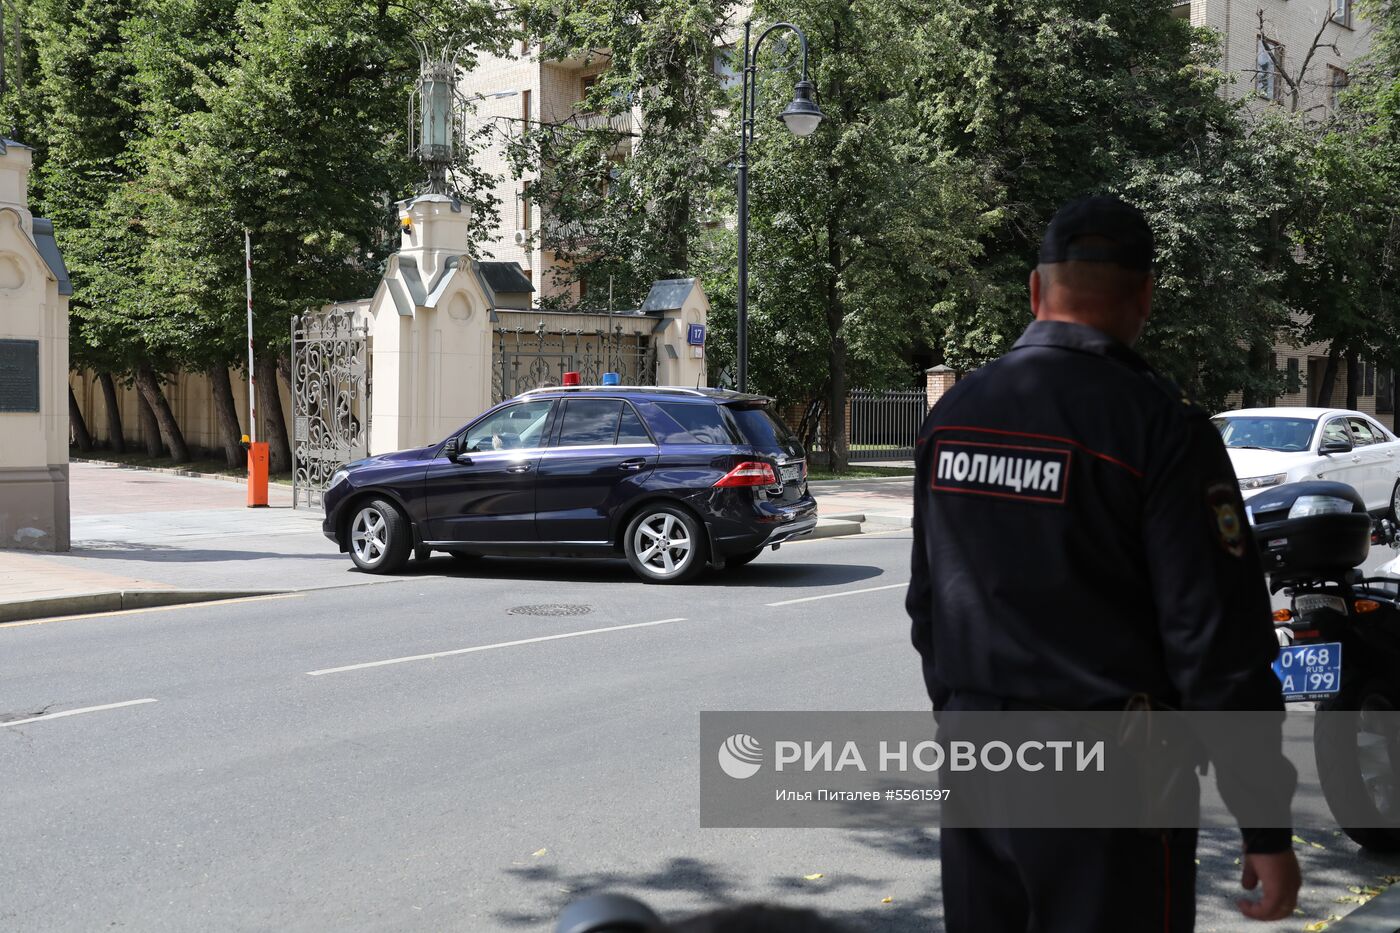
point(1309, 672)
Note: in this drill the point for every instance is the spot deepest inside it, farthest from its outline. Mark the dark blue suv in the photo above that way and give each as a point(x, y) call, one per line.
point(674, 479)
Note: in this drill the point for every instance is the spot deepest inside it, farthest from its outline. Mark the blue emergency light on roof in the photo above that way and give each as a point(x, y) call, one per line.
point(612, 379)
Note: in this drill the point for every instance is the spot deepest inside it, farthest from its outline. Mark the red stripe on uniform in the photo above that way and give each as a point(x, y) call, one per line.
point(1047, 437)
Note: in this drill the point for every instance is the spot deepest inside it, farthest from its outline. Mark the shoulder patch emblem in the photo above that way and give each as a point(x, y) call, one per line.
point(1225, 515)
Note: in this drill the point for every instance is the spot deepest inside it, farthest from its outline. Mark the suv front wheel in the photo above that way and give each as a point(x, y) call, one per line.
point(665, 544)
point(380, 539)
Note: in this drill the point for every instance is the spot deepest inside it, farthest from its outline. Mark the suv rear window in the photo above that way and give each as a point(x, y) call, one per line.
point(694, 424)
point(762, 429)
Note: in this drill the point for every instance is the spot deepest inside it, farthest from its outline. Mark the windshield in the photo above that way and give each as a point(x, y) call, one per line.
point(1266, 432)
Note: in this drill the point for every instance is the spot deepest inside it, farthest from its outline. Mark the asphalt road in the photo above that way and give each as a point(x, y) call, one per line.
point(467, 790)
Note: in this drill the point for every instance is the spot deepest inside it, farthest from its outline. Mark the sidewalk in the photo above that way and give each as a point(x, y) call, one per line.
point(137, 534)
point(144, 538)
point(887, 504)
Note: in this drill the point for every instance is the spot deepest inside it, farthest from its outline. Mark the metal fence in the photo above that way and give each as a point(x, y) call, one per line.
point(885, 425)
point(526, 359)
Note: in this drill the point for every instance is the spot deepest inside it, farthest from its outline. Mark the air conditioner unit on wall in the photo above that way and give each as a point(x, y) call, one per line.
point(522, 238)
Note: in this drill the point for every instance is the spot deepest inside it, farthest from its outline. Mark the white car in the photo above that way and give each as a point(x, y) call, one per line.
point(1272, 446)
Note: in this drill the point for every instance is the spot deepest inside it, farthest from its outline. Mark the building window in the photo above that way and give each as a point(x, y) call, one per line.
point(1337, 80)
point(528, 273)
point(526, 214)
point(725, 64)
point(1341, 12)
point(524, 110)
point(1368, 382)
point(1385, 383)
point(1267, 81)
point(587, 85)
point(1294, 383)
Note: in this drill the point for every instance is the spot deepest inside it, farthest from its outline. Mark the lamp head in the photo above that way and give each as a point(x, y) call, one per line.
point(802, 115)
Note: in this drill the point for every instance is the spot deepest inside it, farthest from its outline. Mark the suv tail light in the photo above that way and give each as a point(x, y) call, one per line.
point(749, 473)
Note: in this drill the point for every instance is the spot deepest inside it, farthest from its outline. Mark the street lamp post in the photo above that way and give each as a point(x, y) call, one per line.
point(801, 117)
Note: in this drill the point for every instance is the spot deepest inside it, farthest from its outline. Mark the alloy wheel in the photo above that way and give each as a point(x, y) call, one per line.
point(369, 535)
point(662, 544)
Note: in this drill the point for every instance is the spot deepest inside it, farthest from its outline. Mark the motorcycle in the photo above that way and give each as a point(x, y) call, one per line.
point(1313, 537)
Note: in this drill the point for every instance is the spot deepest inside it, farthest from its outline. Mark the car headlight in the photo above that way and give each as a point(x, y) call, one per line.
point(1259, 482)
point(1319, 505)
point(338, 477)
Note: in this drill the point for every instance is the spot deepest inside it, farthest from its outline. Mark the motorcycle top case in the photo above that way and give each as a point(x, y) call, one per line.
point(1308, 530)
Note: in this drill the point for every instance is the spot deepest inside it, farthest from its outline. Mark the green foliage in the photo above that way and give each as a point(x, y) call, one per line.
point(907, 223)
point(167, 127)
point(856, 231)
point(624, 199)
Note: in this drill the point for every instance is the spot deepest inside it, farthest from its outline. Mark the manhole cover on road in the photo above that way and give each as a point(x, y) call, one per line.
point(551, 609)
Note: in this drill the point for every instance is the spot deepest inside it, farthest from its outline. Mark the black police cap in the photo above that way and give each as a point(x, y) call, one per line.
point(1129, 239)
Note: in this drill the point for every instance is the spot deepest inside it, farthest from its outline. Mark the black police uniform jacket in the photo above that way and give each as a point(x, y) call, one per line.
point(1079, 539)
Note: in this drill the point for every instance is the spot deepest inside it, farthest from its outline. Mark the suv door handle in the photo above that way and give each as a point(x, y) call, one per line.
point(633, 465)
point(518, 468)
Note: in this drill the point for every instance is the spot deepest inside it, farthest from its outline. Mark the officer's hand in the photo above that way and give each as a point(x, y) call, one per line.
point(1278, 871)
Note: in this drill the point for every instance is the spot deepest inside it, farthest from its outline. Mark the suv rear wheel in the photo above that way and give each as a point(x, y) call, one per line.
point(665, 544)
point(380, 539)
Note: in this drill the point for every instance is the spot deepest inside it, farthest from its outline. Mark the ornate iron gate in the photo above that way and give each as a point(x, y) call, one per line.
point(330, 399)
point(525, 359)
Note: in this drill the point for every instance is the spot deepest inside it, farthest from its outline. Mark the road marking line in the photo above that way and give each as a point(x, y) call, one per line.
point(808, 599)
point(76, 712)
point(473, 650)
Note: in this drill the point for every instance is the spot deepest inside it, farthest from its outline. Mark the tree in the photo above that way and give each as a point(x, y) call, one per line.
point(1070, 97)
point(625, 205)
point(82, 109)
point(856, 231)
point(296, 135)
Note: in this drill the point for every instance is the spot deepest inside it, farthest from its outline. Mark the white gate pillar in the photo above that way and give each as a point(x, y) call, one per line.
point(680, 303)
point(430, 361)
point(34, 292)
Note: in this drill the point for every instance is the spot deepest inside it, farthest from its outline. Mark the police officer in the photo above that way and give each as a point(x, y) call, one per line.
point(1079, 540)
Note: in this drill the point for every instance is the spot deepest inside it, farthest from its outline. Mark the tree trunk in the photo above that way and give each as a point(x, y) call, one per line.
point(230, 434)
point(279, 452)
point(1329, 377)
point(149, 386)
point(1353, 379)
point(81, 436)
point(838, 440)
point(116, 438)
point(150, 430)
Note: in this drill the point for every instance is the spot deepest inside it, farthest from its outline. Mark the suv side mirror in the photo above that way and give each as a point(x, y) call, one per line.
point(449, 449)
point(1335, 447)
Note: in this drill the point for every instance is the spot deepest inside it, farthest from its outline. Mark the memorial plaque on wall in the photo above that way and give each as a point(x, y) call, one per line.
point(19, 375)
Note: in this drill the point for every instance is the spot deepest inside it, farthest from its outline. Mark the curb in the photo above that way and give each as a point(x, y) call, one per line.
point(115, 601)
point(832, 528)
point(1381, 914)
point(859, 479)
point(174, 471)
